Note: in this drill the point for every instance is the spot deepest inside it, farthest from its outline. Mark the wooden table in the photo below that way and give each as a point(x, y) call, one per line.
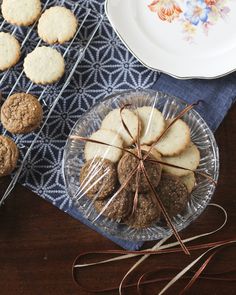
point(38, 243)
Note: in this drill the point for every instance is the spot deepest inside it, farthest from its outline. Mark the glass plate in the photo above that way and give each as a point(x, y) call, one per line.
point(201, 135)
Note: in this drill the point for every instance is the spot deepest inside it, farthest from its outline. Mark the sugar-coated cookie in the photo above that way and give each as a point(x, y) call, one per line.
point(57, 25)
point(113, 122)
point(21, 12)
point(129, 162)
point(173, 194)
point(189, 159)
point(8, 155)
point(93, 150)
point(118, 208)
point(146, 213)
point(9, 51)
point(98, 178)
point(153, 124)
point(44, 65)
point(21, 113)
point(175, 140)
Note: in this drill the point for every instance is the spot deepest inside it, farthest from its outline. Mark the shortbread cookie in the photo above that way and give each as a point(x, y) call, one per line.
point(153, 124)
point(175, 140)
point(189, 180)
point(189, 159)
point(98, 178)
point(128, 163)
point(21, 12)
point(44, 65)
point(21, 113)
point(8, 155)
point(154, 152)
point(111, 153)
point(173, 194)
point(146, 213)
point(57, 25)
point(9, 51)
point(113, 122)
point(118, 208)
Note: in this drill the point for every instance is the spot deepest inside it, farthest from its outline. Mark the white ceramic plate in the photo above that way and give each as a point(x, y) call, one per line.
point(186, 39)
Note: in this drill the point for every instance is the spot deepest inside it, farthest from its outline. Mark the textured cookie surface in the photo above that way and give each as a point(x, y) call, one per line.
point(128, 163)
point(153, 124)
point(175, 140)
point(21, 12)
point(44, 65)
point(117, 208)
point(189, 159)
point(8, 155)
point(111, 153)
point(113, 122)
point(146, 213)
point(98, 178)
point(57, 25)
point(21, 113)
point(173, 194)
point(9, 51)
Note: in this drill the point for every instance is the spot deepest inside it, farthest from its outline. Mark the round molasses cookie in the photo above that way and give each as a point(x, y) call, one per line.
point(146, 213)
point(173, 194)
point(119, 208)
point(21, 113)
point(8, 155)
point(128, 163)
point(98, 177)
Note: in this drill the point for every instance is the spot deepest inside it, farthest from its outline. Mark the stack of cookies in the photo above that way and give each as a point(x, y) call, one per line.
point(111, 155)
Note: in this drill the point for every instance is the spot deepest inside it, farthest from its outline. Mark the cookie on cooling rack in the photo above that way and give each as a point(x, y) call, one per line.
point(8, 155)
point(9, 51)
point(44, 65)
point(21, 113)
point(57, 25)
point(21, 12)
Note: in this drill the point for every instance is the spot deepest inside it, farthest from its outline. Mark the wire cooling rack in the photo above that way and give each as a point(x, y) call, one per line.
point(73, 52)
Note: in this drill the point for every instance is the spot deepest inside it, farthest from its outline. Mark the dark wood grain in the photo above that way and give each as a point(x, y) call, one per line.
point(38, 242)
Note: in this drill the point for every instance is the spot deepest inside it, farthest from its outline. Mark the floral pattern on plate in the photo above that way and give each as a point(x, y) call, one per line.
point(193, 14)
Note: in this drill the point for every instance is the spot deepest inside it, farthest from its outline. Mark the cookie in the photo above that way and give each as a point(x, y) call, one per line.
point(21, 12)
point(153, 124)
point(119, 208)
point(173, 194)
point(9, 51)
point(189, 159)
point(128, 163)
point(57, 25)
point(8, 155)
point(154, 152)
point(175, 140)
point(98, 178)
point(189, 181)
point(146, 213)
point(44, 65)
point(21, 113)
point(93, 150)
point(113, 122)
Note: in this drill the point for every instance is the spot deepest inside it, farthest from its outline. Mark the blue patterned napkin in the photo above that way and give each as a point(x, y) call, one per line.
point(107, 67)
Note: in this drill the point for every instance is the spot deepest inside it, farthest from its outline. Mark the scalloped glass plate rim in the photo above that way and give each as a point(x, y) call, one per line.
point(200, 208)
